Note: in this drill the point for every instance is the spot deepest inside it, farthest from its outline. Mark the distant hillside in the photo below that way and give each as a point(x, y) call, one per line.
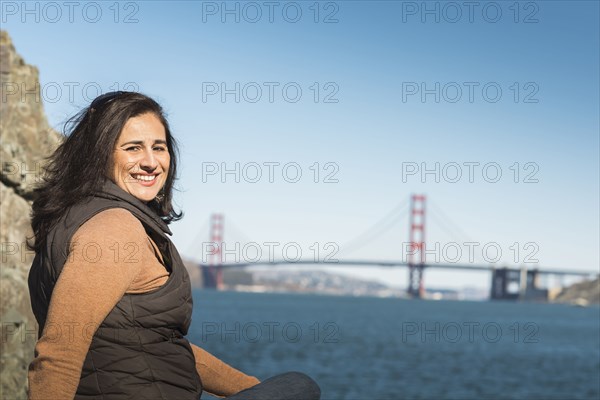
point(588, 291)
point(319, 282)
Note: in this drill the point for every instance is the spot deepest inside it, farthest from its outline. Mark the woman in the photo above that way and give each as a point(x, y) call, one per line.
point(108, 288)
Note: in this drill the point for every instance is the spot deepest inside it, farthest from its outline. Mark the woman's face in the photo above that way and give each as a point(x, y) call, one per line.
point(141, 157)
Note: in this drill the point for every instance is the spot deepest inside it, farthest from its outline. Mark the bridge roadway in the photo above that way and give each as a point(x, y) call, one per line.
point(358, 263)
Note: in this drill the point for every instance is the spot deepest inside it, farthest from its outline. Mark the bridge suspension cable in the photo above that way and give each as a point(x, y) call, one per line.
point(447, 225)
point(201, 234)
point(237, 232)
point(377, 229)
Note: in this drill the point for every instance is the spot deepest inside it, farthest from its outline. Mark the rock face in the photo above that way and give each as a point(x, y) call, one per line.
point(25, 141)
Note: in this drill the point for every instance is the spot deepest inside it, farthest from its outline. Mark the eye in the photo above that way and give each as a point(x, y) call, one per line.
point(160, 148)
point(132, 148)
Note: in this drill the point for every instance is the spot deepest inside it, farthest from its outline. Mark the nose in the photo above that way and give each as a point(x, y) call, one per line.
point(148, 161)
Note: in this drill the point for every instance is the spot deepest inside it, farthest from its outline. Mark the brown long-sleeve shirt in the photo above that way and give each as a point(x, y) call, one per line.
point(110, 255)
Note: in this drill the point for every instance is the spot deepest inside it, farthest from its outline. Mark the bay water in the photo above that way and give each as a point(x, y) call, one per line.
point(391, 348)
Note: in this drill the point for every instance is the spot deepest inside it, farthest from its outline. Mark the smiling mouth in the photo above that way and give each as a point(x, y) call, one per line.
point(144, 178)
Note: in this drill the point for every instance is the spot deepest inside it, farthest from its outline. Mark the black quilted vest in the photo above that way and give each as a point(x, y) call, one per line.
point(139, 351)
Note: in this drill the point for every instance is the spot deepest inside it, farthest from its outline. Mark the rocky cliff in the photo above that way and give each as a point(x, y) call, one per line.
point(582, 293)
point(25, 140)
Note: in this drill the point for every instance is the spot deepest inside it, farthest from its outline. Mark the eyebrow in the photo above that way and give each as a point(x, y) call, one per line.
point(158, 141)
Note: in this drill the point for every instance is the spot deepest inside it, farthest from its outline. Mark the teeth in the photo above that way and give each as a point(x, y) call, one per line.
point(144, 177)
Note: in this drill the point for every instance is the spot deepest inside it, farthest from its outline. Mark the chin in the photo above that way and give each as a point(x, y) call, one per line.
point(143, 195)
point(146, 198)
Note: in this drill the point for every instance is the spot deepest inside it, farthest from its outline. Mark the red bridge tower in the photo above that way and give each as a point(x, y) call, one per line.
point(416, 254)
point(214, 259)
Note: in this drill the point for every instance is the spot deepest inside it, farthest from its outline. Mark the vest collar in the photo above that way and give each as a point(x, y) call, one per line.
point(110, 190)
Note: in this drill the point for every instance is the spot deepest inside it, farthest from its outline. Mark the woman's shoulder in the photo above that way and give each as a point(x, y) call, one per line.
point(116, 223)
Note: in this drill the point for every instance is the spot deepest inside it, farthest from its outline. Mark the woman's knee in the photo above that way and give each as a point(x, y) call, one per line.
point(303, 384)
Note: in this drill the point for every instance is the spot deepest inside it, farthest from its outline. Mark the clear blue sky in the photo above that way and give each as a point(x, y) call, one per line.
point(373, 61)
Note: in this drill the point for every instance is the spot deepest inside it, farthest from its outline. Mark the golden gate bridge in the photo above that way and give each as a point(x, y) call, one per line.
point(503, 279)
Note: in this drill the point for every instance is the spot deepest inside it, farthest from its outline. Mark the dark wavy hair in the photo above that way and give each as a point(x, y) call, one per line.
point(71, 173)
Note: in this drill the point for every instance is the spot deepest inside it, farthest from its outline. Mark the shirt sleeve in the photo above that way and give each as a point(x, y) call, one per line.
point(219, 378)
point(97, 273)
